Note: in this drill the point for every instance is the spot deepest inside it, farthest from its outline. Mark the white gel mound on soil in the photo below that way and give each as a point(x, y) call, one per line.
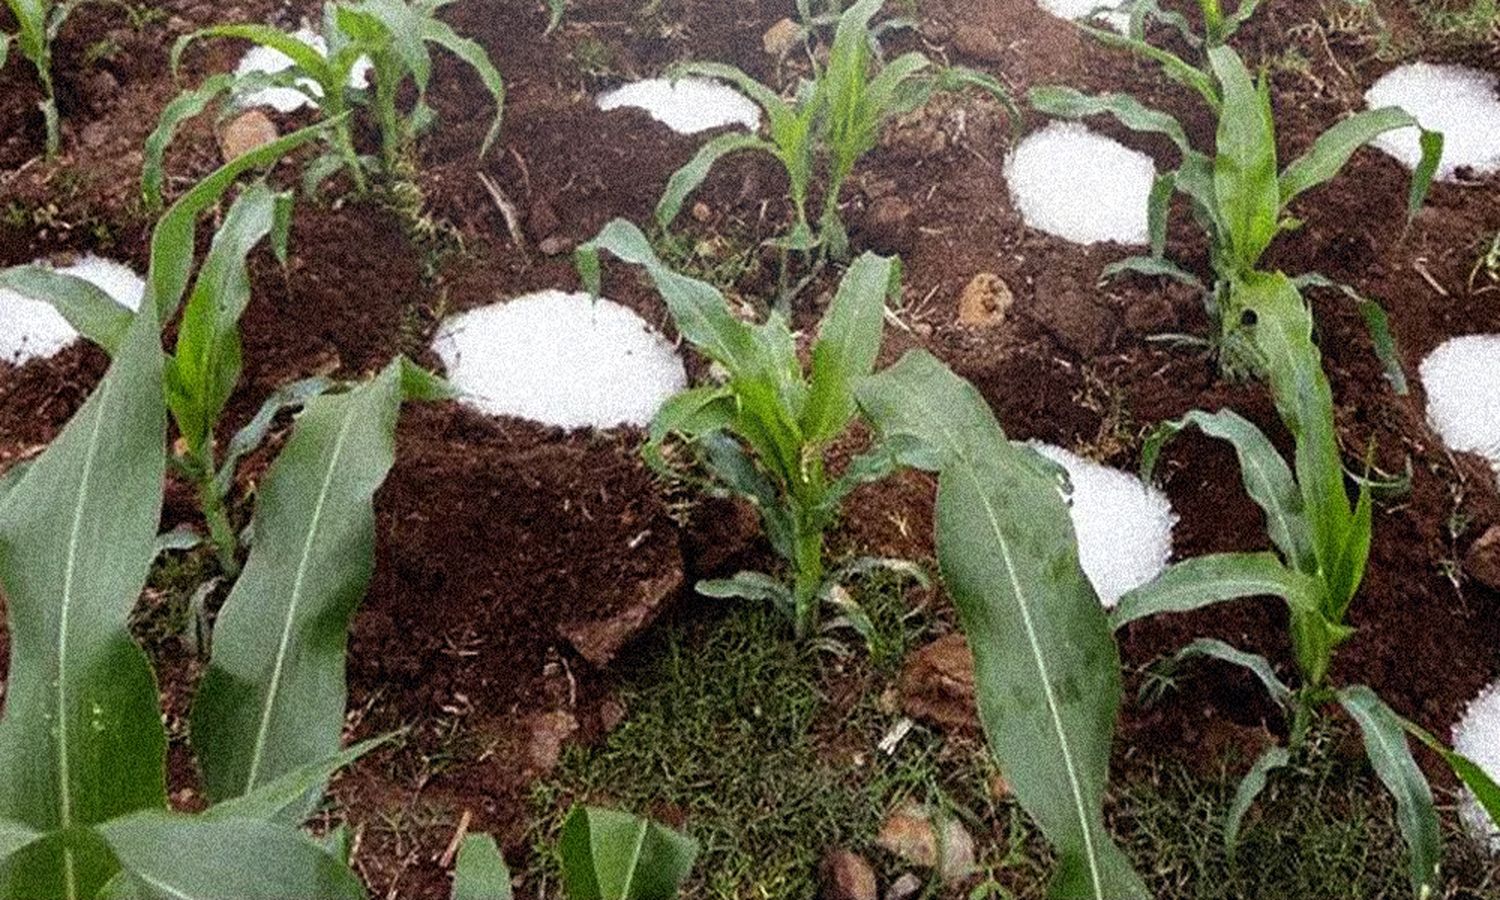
point(1461, 103)
point(1477, 736)
point(1124, 526)
point(1073, 183)
point(32, 329)
point(561, 359)
point(290, 99)
point(1462, 380)
point(687, 106)
point(1080, 10)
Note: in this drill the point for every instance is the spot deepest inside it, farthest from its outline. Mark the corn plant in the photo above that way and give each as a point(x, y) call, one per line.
point(39, 22)
point(391, 35)
point(1046, 668)
point(831, 122)
point(764, 432)
point(203, 372)
point(1322, 544)
point(1236, 194)
point(1218, 26)
point(84, 810)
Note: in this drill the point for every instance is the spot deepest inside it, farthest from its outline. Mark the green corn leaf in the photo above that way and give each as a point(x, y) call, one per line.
point(173, 243)
point(557, 8)
point(1157, 211)
point(1067, 103)
point(1385, 742)
point(81, 739)
point(273, 697)
point(1376, 322)
point(1267, 478)
point(755, 586)
point(286, 397)
point(93, 313)
point(5, 40)
point(1245, 181)
point(1333, 149)
point(202, 373)
point(436, 31)
point(1151, 267)
point(1484, 788)
point(185, 106)
point(687, 179)
point(848, 343)
point(955, 78)
point(1046, 666)
point(1250, 787)
point(1173, 66)
point(1282, 335)
point(611, 855)
point(480, 873)
point(1243, 14)
point(304, 57)
point(1207, 580)
point(283, 796)
point(1253, 663)
point(170, 856)
point(1421, 177)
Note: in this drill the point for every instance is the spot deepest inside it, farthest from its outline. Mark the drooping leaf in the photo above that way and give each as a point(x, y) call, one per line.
point(1152, 267)
point(1484, 788)
point(273, 698)
point(687, 179)
point(92, 312)
point(185, 106)
point(286, 397)
point(1253, 663)
point(171, 856)
point(1385, 743)
point(1376, 322)
point(81, 740)
point(480, 873)
point(1334, 148)
point(612, 855)
point(1069, 103)
point(472, 54)
point(1250, 787)
point(1267, 478)
point(1046, 667)
point(1217, 578)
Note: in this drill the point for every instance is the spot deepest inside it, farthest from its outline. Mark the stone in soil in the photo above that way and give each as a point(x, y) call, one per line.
point(1482, 563)
point(985, 301)
point(847, 876)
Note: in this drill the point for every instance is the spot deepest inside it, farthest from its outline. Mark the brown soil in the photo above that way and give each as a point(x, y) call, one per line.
point(499, 540)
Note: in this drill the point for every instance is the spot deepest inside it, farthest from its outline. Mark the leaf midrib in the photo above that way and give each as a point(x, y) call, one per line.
point(70, 566)
point(273, 689)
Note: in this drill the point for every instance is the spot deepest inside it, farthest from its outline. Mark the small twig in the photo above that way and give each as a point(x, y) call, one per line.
point(507, 210)
point(1420, 267)
point(525, 170)
point(446, 860)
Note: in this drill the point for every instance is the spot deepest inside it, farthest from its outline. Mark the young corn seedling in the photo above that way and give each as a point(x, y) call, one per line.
point(1322, 544)
point(39, 22)
point(1046, 668)
point(1236, 193)
point(391, 36)
point(763, 432)
point(202, 373)
point(833, 119)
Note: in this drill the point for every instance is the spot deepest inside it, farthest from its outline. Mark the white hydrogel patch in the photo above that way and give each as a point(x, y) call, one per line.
point(32, 329)
point(290, 99)
point(1124, 525)
point(1462, 380)
point(687, 106)
point(1459, 102)
point(561, 359)
point(1073, 183)
point(1086, 10)
point(1477, 736)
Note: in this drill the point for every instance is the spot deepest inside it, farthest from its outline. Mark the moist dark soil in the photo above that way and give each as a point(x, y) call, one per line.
point(511, 556)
